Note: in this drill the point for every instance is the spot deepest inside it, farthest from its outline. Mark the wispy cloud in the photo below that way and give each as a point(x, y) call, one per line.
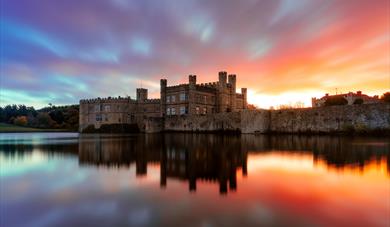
point(282, 50)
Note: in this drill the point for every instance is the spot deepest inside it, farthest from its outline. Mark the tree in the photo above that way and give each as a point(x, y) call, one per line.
point(358, 101)
point(299, 104)
point(21, 121)
point(386, 97)
point(57, 116)
point(336, 101)
point(44, 120)
point(252, 107)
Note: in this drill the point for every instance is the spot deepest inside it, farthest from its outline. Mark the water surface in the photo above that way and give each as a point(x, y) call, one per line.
point(63, 179)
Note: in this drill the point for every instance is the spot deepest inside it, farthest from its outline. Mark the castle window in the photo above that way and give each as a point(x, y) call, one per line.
point(205, 99)
point(173, 111)
point(168, 111)
point(98, 108)
point(197, 110)
point(98, 117)
point(168, 99)
point(182, 96)
point(182, 110)
point(204, 110)
point(173, 98)
point(107, 108)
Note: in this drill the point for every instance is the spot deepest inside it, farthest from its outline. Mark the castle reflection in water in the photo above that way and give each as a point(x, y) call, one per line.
point(215, 158)
point(206, 157)
point(182, 156)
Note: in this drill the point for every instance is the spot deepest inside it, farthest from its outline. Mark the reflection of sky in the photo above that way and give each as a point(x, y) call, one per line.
point(281, 188)
point(71, 50)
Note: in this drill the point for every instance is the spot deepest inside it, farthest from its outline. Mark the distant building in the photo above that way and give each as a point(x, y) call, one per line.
point(350, 97)
point(117, 110)
point(183, 99)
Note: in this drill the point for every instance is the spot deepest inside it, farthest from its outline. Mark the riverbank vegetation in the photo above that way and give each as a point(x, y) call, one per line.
point(23, 118)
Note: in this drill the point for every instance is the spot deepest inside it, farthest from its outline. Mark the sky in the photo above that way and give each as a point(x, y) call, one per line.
point(283, 51)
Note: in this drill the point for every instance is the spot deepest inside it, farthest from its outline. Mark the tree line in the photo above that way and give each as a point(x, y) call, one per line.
point(51, 117)
point(339, 100)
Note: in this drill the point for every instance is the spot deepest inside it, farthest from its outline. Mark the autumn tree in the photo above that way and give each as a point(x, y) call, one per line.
point(21, 121)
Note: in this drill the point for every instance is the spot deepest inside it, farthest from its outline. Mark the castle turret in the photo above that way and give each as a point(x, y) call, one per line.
point(232, 81)
point(222, 79)
point(232, 92)
point(163, 97)
point(192, 80)
point(191, 93)
point(223, 96)
point(244, 96)
point(142, 94)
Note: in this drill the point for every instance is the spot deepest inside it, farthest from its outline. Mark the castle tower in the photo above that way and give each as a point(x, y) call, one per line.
point(163, 97)
point(222, 79)
point(313, 102)
point(232, 92)
point(142, 94)
point(192, 80)
point(191, 94)
point(222, 94)
point(232, 81)
point(244, 95)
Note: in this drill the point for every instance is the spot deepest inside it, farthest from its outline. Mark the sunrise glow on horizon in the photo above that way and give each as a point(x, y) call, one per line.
point(283, 51)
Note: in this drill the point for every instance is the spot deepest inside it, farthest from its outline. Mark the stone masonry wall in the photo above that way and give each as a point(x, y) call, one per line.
point(206, 123)
point(358, 118)
point(255, 121)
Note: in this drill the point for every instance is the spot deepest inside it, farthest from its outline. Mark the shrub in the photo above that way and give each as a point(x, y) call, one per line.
point(21, 121)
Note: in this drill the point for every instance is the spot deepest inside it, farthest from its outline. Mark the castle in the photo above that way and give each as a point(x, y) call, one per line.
point(350, 97)
point(183, 99)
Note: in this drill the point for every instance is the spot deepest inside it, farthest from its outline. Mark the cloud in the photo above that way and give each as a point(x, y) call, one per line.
point(275, 47)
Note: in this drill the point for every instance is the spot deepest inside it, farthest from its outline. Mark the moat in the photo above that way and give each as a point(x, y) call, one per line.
point(172, 179)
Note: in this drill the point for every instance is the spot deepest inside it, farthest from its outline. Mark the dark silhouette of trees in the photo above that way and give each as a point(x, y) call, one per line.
point(336, 101)
point(386, 97)
point(61, 117)
point(358, 101)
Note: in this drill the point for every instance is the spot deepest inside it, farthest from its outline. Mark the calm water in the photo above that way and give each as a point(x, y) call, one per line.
point(63, 179)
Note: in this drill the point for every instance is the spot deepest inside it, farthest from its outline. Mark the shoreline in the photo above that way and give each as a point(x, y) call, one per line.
point(37, 131)
point(379, 133)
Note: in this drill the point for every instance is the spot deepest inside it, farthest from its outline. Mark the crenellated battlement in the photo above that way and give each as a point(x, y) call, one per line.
point(107, 100)
point(209, 85)
point(178, 86)
point(116, 100)
point(155, 101)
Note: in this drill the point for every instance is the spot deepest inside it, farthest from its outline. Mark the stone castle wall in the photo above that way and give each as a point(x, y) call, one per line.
point(204, 123)
point(333, 119)
point(118, 113)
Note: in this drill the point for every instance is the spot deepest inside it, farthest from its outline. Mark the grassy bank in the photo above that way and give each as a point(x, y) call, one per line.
point(14, 128)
